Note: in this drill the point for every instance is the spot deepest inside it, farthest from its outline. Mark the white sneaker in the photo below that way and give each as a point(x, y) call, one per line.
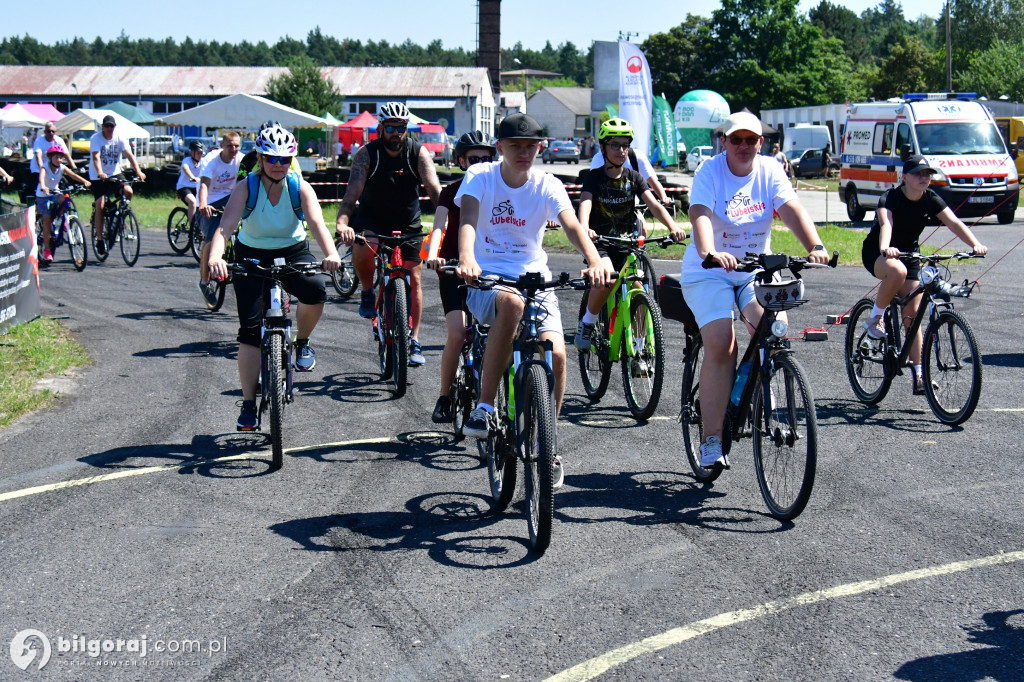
point(711, 453)
point(559, 474)
point(478, 424)
point(875, 327)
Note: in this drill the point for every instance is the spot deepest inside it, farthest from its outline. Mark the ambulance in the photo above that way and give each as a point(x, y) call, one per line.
point(955, 133)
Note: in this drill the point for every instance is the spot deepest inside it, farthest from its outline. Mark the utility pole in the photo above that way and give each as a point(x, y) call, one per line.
point(949, 53)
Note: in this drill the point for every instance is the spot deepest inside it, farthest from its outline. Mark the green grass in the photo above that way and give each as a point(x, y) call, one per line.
point(29, 352)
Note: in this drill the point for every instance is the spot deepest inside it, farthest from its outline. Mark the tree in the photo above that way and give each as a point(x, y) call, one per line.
point(836, 21)
point(677, 58)
point(995, 72)
point(910, 67)
point(305, 88)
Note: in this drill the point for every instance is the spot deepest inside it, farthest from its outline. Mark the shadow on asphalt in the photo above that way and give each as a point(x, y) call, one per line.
point(194, 349)
point(193, 458)
point(195, 313)
point(357, 387)
point(999, 660)
point(1014, 360)
point(432, 449)
point(579, 411)
point(911, 420)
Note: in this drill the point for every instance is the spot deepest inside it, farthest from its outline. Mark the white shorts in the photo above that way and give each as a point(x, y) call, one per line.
point(481, 303)
point(715, 294)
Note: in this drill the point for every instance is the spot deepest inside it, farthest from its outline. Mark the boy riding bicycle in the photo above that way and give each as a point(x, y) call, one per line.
point(50, 175)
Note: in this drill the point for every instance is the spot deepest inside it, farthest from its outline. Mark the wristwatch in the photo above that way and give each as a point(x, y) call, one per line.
point(818, 247)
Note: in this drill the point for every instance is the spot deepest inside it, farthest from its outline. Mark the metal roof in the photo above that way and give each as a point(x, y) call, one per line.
point(576, 100)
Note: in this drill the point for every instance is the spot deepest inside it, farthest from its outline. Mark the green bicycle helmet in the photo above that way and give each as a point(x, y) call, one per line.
point(615, 127)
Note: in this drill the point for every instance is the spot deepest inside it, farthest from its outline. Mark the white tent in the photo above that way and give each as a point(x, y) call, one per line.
point(93, 118)
point(20, 117)
point(242, 112)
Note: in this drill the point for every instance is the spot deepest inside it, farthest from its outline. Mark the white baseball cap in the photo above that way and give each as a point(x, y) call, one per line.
point(743, 120)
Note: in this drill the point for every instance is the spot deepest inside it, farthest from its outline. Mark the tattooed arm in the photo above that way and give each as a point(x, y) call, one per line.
point(356, 183)
point(428, 175)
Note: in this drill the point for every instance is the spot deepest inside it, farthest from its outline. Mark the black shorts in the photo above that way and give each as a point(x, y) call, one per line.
point(617, 256)
point(102, 188)
point(453, 294)
point(869, 253)
point(249, 291)
point(185, 192)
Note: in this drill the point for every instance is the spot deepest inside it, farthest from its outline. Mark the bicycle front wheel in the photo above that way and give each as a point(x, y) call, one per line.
point(650, 280)
point(952, 368)
point(178, 230)
point(196, 240)
point(76, 243)
point(130, 238)
point(461, 394)
point(537, 441)
point(643, 362)
point(400, 342)
point(785, 438)
point(690, 413)
point(344, 278)
point(275, 395)
point(101, 254)
point(498, 449)
point(865, 357)
point(595, 367)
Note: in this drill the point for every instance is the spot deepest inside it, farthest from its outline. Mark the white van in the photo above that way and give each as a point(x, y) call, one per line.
point(957, 135)
point(806, 136)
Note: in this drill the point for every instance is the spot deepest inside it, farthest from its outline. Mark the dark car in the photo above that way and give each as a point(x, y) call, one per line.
point(809, 163)
point(561, 150)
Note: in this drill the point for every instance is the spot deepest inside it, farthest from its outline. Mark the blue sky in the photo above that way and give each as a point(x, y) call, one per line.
point(532, 22)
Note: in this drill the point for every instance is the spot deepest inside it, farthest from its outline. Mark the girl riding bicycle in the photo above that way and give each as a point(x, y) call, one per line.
point(50, 175)
point(904, 211)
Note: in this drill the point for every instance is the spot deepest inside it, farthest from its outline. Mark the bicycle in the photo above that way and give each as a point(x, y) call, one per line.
point(638, 343)
point(220, 286)
point(391, 324)
point(465, 388)
point(65, 227)
point(179, 229)
point(344, 278)
point(277, 366)
point(119, 225)
point(771, 400)
point(524, 408)
point(951, 363)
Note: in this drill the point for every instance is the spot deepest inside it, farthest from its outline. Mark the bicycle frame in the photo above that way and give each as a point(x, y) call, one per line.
point(390, 266)
point(621, 334)
point(276, 322)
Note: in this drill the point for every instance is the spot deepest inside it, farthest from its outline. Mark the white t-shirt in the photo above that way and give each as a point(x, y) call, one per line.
point(645, 169)
point(110, 153)
point(184, 180)
point(42, 145)
point(510, 229)
point(50, 181)
point(222, 175)
point(741, 207)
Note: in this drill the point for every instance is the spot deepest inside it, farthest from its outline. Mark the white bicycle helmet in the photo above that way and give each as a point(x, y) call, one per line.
point(269, 124)
point(393, 110)
point(277, 142)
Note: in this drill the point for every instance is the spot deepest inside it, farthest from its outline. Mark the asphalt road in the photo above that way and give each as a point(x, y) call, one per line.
point(132, 509)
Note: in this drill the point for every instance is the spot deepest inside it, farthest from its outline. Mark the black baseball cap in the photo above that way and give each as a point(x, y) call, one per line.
point(108, 120)
point(521, 126)
point(918, 164)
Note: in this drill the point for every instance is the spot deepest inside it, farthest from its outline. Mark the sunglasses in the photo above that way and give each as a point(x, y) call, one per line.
point(478, 159)
point(616, 147)
point(108, 125)
point(279, 160)
point(737, 140)
point(391, 130)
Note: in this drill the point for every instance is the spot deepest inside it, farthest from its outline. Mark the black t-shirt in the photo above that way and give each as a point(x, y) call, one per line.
point(450, 246)
point(909, 218)
point(612, 210)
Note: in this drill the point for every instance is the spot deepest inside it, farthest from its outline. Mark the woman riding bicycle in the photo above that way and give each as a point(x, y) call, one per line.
point(904, 211)
point(50, 175)
point(272, 230)
point(188, 177)
point(731, 205)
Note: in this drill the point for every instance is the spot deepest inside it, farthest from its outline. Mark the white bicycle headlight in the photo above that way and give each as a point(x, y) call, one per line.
point(780, 329)
point(928, 274)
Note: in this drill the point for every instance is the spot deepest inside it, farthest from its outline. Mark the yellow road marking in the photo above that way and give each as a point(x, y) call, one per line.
point(598, 665)
point(89, 480)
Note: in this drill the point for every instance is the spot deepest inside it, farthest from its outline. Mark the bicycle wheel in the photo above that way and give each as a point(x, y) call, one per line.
point(952, 368)
point(643, 365)
point(537, 441)
point(384, 335)
point(100, 257)
point(865, 357)
point(785, 438)
point(219, 286)
point(130, 238)
point(178, 230)
point(461, 394)
point(275, 395)
point(196, 240)
point(76, 243)
point(595, 367)
point(690, 414)
point(344, 278)
point(650, 280)
point(400, 327)
point(499, 452)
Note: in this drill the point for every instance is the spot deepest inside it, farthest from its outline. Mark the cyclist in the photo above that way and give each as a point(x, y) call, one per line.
point(385, 179)
point(249, 161)
point(637, 161)
point(607, 204)
point(471, 148)
point(105, 150)
point(50, 176)
point(272, 230)
point(904, 211)
point(509, 203)
point(218, 174)
point(731, 205)
point(188, 176)
point(41, 148)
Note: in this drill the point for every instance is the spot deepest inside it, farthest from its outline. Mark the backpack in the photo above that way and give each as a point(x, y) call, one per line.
point(253, 181)
point(412, 150)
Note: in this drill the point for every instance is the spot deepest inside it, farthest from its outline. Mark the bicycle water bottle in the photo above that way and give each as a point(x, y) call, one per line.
point(741, 380)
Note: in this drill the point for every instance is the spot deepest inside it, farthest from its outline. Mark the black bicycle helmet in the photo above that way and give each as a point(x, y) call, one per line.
point(196, 146)
point(473, 140)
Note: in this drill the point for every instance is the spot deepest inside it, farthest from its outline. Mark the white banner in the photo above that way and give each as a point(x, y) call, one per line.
point(635, 97)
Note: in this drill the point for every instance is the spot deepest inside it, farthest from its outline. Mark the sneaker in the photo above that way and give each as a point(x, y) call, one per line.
point(875, 327)
point(711, 454)
point(209, 293)
point(443, 411)
point(248, 419)
point(559, 474)
point(479, 423)
point(583, 333)
point(47, 256)
point(305, 358)
point(919, 386)
point(367, 304)
point(416, 358)
point(100, 246)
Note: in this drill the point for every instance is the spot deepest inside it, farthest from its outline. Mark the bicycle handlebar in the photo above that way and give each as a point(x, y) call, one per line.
point(635, 242)
point(251, 267)
point(936, 257)
point(533, 281)
point(389, 239)
point(770, 263)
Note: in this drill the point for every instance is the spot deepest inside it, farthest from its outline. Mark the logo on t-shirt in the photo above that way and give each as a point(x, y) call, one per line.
point(505, 213)
point(741, 205)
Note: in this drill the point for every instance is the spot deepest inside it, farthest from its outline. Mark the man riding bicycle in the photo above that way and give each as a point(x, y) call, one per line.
point(505, 207)
point(385, 179)
point(217, 177)
point(105, 150)
point(732, 202)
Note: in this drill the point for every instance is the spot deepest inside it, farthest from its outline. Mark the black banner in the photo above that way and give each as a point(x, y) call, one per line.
point(19, 266)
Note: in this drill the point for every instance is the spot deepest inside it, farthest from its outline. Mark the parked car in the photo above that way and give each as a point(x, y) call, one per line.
point(161, 144)
point(561, 150)
point(808, 163)
point(696, 157)
point(80, 142)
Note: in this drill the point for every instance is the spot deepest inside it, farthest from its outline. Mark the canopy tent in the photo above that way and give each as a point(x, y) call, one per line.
point(355, 130)
point(131, 112)
point(92, 118)
point(17, 116)
point(331, 120)
point(44, 111)
point(245, 112)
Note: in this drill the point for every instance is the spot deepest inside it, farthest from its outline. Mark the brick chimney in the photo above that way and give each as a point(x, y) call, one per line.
point(488, 53)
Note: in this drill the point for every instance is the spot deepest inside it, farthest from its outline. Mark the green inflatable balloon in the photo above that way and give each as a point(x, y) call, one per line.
point(697, 114)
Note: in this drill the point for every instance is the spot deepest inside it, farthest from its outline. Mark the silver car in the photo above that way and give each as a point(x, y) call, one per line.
point(696, 157)
point(561, 150)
